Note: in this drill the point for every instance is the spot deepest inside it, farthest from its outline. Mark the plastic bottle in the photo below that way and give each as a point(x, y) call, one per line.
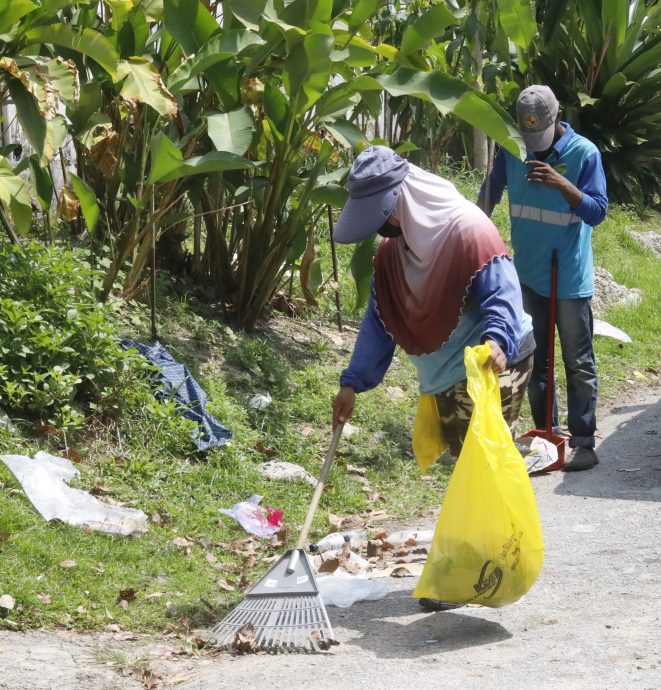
point(421, 536)
point(335, 540)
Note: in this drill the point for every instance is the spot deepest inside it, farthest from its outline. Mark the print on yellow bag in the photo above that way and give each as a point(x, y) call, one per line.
point(487, 547)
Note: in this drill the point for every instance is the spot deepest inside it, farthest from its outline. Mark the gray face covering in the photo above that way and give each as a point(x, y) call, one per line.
point(389, 230)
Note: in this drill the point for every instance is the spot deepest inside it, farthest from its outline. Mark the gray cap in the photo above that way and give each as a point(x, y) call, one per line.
point(536, 111)
point(374, 182)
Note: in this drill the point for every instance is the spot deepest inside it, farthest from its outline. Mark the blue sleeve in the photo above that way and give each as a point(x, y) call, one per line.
point(497, 291)
point(498, 178)
point(592, 182)
point(372, 353)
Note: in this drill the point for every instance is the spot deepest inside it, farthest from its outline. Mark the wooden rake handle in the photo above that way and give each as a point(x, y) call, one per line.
point(305, 531)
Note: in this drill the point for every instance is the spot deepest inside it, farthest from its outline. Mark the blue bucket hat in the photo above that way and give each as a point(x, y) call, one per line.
point(374, 183)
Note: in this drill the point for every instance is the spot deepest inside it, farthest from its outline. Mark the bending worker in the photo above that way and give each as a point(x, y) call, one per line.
point(443, 280)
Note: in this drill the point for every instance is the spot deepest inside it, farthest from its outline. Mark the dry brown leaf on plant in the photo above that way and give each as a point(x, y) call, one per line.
point(269, 452)
point(244, 640)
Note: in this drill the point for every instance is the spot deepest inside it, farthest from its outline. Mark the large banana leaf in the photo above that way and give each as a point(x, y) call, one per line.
point(216, 161)
point(427, 26)
point(451, 95)
point(86, 41)
point(88, 203)
point(15, 196)
point(361, 268)
point(518, 20)
point(142, 83)
point(231, 131)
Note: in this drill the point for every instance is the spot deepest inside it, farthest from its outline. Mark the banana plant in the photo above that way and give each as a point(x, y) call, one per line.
point(601, 58)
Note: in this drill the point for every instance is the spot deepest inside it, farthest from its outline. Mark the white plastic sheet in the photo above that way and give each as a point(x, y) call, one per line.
point(44, 479)
point(343, 590)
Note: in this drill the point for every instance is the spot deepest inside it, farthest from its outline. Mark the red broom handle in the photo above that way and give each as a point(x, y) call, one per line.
point(550, 384)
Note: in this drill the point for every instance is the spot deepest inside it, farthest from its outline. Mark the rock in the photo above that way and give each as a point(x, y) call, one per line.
point(349, 430)
point(289, 471)
point(7, 602)
point(6, 423)
point(650, 240)
point(608, 293)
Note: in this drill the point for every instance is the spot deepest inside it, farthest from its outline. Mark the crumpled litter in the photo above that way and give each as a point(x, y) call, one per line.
point(260, 401)
point(262, 522)
point(275, 470)
point(44, 480)
point(343, 590)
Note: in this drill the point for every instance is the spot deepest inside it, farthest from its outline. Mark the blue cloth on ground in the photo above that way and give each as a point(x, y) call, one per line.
point(178, 382)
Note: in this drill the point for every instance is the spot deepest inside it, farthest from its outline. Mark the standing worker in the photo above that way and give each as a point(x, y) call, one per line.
point(557, 195)
point(443, 280)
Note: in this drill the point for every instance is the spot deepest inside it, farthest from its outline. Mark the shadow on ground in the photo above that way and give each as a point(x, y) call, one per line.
point(630, 457)
point(392, 628)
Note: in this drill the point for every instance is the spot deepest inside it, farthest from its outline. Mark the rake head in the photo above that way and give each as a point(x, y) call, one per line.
point(283, 612)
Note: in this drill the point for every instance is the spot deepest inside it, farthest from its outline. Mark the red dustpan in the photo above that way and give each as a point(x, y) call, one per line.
point(558, 440)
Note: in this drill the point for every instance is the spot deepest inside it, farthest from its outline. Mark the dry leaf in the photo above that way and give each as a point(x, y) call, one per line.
point(180, 543)
point(280, 537)
point(350, 567)
point(318, 638)
point(374, 547)
point(210, 558)
point(249, 562)
point(330, 565)
point(155, 595)
point(352, 469)
point(244, 640)
point(223, 584)
point(81, 610)
point(306, 430)
point(374, 497)
point(100, 490)
point(72, 455)
point(68, 204)
point(44, 598)
point(149, 679)
point(395, 392)
point(66, 565)
point(269, 452)
point(401, 572)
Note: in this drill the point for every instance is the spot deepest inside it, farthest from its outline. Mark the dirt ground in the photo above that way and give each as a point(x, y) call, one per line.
point(591, 621)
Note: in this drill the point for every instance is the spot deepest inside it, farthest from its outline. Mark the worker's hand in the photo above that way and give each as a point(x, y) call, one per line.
point(343, 405)
point(498, 360)
point(543, 173)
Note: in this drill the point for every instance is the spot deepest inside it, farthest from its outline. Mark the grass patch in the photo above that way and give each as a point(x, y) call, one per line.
point(193, 563)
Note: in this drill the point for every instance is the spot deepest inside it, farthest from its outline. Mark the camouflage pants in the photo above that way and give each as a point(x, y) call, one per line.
point(455, 406)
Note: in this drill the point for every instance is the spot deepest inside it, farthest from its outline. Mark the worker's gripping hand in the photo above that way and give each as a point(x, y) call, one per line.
point(497, 361)
point(343, 405)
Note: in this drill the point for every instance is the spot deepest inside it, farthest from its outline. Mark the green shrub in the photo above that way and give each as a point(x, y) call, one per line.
point(59, 356)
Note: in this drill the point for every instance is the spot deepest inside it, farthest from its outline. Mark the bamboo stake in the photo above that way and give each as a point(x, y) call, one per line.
point(338, 304)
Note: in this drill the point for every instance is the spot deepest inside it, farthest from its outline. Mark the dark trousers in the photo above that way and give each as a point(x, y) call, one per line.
point(575, 329)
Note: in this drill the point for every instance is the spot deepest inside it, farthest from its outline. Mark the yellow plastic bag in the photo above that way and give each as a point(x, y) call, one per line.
point(487, 547)
point(428, 442)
